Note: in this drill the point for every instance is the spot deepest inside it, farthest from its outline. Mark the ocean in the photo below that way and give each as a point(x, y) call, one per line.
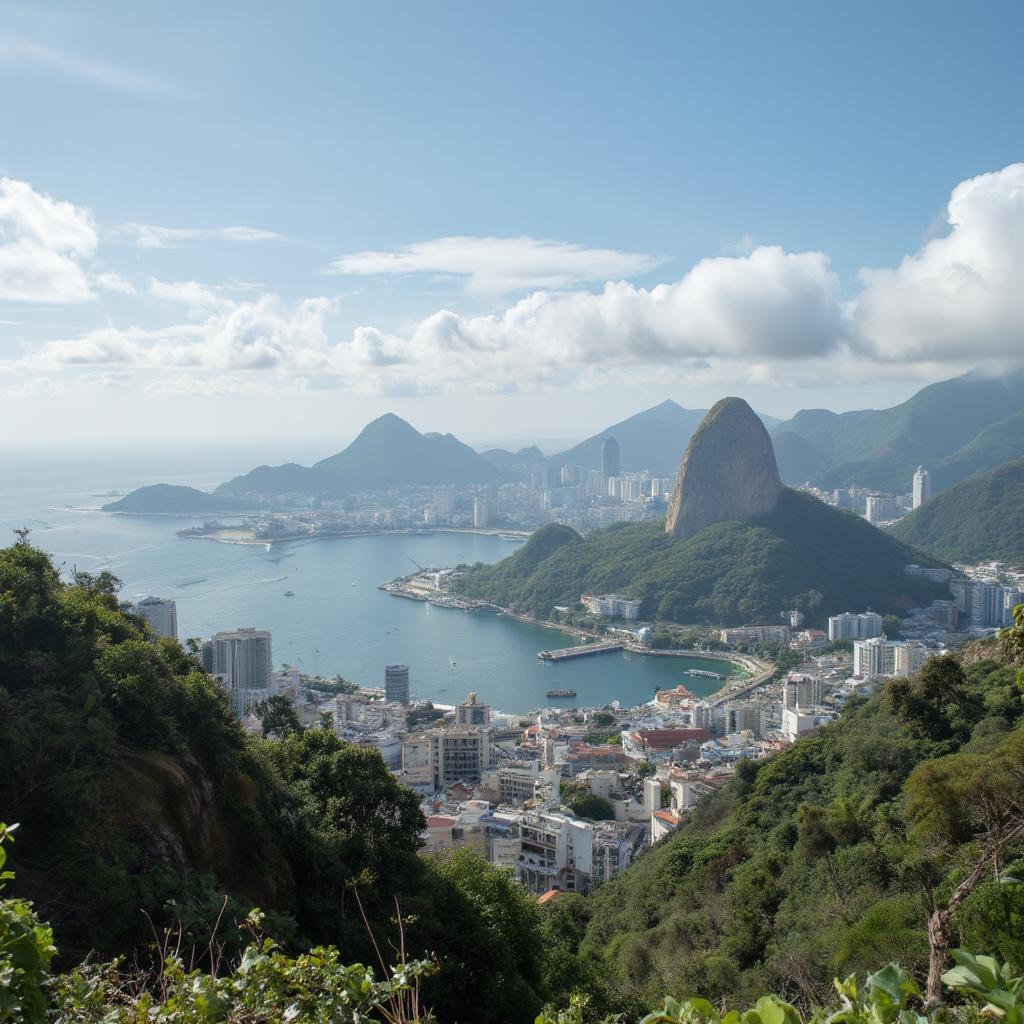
point(337, 622)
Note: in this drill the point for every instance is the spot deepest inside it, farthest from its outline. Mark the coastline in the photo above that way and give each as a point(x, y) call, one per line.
point(242, 535)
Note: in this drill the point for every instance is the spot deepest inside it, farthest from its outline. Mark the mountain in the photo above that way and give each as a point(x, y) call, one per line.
point(977, 520)
point(387, 453)
point(514, 464)
point(729, 573)
point(999, 443)
point(728, 471)
point(170, 498)
point(651, 439)
point(881, 448)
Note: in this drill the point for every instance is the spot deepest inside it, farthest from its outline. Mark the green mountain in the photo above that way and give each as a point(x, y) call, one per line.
point(820, 861)
point(999, 443)
point(169, 498)
point(881, 448)
point(387, 453)
point(977, 520)
point(729, 573)
point(142, 804)
point(651, 439)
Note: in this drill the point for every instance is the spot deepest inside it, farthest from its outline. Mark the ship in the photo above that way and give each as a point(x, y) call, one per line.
point(560, 693)
point(289, 593)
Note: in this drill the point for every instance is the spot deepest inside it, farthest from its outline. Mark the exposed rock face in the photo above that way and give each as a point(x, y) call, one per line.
point(728, 472)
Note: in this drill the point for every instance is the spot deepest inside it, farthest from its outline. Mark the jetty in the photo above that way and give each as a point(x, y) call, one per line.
point(581, 651)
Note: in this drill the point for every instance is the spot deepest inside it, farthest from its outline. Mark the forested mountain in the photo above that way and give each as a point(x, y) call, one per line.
point(975, 521)
point(729, 573)
point(826, 858)
point(387, 453)
point(881, 448)
point(137, 793)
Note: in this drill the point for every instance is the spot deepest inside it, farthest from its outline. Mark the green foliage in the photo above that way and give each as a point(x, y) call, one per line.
point(992, 984)
point(978, 520)
point(277, 717)
point(803, 552)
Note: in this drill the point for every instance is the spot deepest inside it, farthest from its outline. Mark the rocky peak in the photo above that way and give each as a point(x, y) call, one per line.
point(728, 472)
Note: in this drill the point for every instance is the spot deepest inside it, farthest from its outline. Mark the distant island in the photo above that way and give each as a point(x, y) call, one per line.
point(172, 499)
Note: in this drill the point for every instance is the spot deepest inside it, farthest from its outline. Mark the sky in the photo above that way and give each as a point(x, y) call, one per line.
point(510, 221)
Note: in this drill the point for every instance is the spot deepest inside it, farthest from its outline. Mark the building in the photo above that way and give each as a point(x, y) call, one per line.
point(882, 508)
point(932, 575)
point(461, 753)
point(984, 605)
point(881, 657)
point(945, 614)
point(744, 716)
point(801, 691)
point(848, 626)
point(613, 606)
point(922, 486)
point(472, 712)
point(396, 684)
point(609, 458)
point(161, 614)
point(767, 634)
point(243, 662)
point(483, 510)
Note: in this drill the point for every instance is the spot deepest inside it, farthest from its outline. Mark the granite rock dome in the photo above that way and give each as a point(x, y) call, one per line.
point(728, 472)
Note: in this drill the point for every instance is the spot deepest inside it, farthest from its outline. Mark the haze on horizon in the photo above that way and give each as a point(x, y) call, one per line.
point(512, 224)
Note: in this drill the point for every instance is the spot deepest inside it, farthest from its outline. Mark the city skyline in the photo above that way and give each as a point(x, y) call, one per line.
point(252, 239)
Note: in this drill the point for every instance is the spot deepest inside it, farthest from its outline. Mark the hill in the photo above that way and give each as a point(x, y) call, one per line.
point(978, 520)
point(651, 439)
point(729, 573)
point(881, 448)
point(170, 498)
point(821, 860)
point(387, 453)
point(999, 443)
point(139, 795)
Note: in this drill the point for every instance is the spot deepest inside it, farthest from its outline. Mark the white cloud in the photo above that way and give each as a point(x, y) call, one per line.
point(195, 296)
point(500, 265)
point(113, 282)
point(42, 245)
point(15, 48)
point(959, 296)
point(152, 236)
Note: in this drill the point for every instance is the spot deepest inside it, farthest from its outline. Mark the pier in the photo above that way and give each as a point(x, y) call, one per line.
point(600, 647)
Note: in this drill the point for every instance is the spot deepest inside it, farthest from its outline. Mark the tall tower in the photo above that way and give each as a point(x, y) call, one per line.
point(609, 457)
point(922, 486)
point(396, 684)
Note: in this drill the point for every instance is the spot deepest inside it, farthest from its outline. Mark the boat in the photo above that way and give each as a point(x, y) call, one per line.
point(289, 593)
point(190, 582)
point(560, 693)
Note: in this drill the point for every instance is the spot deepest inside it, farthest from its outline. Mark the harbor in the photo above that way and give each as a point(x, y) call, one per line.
point(582, 650)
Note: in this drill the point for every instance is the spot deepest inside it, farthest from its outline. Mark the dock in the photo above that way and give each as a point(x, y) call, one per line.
point(600, 647)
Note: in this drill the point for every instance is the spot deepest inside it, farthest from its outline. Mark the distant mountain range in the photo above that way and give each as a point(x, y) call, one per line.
point(956, 428)
point(978, 520)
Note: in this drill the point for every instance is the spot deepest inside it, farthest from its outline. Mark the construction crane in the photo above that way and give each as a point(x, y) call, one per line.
point(417, 564)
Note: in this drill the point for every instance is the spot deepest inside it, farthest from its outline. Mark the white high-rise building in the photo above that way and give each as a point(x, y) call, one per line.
point(242, 660)
point(922, 486)
point(881, 657)
point(161, 614)
point(847, 626)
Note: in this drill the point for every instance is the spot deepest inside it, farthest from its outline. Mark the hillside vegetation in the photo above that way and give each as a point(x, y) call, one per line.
point(140, 799)
point(978, 520)
point(730, 573)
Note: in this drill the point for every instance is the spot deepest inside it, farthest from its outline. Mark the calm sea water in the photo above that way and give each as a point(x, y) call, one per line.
point(338, 621)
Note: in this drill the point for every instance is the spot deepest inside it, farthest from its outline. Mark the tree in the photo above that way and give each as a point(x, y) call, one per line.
point(277, 717)
point(966, 807)
point(934, 703)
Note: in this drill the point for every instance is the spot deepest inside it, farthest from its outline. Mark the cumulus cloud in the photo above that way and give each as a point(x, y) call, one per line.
point(500, 265)
point(959, 296)
point(195, 296)
point(152, 236)
point(43, 244)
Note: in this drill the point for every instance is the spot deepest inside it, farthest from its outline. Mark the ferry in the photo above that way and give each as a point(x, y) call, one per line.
point(703, 673)
point(560, 693)
point(289, 593)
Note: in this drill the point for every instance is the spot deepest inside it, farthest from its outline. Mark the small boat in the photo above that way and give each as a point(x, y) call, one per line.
point(289, 593)
point(560, 693)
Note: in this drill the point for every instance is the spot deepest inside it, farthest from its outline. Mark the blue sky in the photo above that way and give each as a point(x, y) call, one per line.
point(281, 199)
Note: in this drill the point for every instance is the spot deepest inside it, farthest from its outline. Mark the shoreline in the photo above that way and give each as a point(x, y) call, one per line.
point(243, 536)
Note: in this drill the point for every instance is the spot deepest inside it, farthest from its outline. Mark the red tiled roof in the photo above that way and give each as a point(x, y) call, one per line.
point(549, 895)
point(667, 816)
point(666, 739)
point(441, 821)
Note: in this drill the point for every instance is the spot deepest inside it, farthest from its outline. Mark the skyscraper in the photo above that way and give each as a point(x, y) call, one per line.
point(396, 684)
point(922, 486)
point(609, 457)
point(161, 614)
point(242, 658)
